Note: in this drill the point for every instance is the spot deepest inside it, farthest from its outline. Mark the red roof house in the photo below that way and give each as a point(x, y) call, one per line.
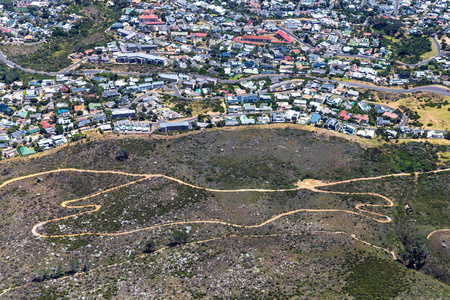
point(344, 115)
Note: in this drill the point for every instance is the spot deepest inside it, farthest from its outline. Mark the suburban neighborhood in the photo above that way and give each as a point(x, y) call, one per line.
point(309, 63)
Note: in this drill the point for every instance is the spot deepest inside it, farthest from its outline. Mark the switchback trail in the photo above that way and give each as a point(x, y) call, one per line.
point(312, 185)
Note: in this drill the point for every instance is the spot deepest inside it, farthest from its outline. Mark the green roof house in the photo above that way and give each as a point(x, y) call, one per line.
point(26, 151)
point(93, 106)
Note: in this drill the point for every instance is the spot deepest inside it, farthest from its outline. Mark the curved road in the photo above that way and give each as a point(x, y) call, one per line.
point(430, 88)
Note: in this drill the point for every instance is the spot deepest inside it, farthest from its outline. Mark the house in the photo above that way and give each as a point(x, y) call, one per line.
point(390, 115)
point(247, 121)
point(348, 129)
point(278, 117)
point(249, 99)
point(8, 153)
point(263, 120)
point(300, 103)
point(99, 118)
point(59, 139)
point(344, 115)
point(78, 108)
point(265, 98)
point(112, 93)
point(380, 109)
point(234, 109)
point(353, 94)
point(174, 126)
point(368, 133)
point(83, 123)
point(382, 122)
point(45, 143)
point(392, 133)
point(292, 115)
point(94, 106)
point(169, 77)
point(405, 130)
point(431, 134)
point(332, 124)
point(141, 58)
point(334, 102)
point(361, 119)
point(26, 151)
point(231, 121)
point(363, 106)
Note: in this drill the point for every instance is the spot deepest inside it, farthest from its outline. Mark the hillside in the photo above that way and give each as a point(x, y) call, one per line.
point(191, 235)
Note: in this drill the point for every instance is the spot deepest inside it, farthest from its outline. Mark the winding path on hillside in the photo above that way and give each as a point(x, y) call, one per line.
point(312, 185)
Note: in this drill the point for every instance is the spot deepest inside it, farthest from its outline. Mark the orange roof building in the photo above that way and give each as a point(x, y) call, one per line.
point(78, 108)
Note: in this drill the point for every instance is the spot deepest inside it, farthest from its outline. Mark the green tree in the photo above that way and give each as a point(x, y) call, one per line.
point(73, 267)
point(178, 237)
point(59, 129)
point(221, 123)
point(122, 154)
point(149, 246)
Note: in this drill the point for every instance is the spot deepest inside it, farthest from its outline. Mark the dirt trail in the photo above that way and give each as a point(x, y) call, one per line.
point(312, 185)
point(436, 231)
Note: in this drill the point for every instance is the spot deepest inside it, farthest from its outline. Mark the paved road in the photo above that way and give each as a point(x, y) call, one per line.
point(430, 88)
point(433, 89)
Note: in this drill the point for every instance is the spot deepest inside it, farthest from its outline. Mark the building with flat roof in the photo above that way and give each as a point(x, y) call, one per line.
point(123, 113)
point(141, 58)
point(173, 126)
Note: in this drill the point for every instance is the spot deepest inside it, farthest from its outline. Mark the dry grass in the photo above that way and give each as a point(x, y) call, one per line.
point(430, 54)
point(13, 50)
point(439, 118)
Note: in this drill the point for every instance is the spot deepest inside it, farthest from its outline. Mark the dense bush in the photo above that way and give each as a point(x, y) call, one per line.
point(376, 278)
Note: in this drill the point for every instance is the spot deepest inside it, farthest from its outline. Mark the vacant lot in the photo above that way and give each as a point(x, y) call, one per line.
point(197, 107)
point(432, 109)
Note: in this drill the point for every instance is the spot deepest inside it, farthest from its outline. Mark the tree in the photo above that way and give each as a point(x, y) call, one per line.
point(221, 123)
point(39, 276)
point(86, 266)
point(73, 267)
point(56, 272)
point(149, 246)
point(416, 251)
point(59, 129)
point(122, 154)
point(177, 238)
